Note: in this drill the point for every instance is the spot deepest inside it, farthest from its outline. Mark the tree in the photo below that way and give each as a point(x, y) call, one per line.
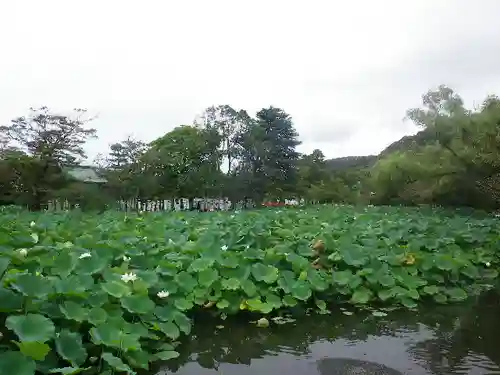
point(51, 141)
point(442, 102)
point(125, 170)
point(454, 160)
point(267, 148)
point(227, 122)
point(311, 171)
point(51, 137)
point(126, 153)
point(184, 162)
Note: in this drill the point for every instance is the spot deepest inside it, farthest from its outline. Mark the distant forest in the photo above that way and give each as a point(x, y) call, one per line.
point(452, 161)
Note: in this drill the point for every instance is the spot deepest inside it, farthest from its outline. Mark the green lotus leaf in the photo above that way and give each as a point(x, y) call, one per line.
point(167, 354)
point(115, 337)
point(266, 273)
point(317, 280)
point(289, 301)
point(208, 277)
point(230, 284)
point(229, 260)
point(92, 265)
point(116, 363)
point(97, 315)
point(408, 302)
point(139, 304)
point(200, 264)
point(33, 349)
point(440, 298)
point(10, 301)
point(242, 272)
point(286, 280)
point(138, 359)
point(470, 271)
point(361, 296)
point(256, 304)
point(74, 285)
point(355, 282)
point(301, 290)
point(186, 281)
point(33, 286)
point(170, 330)
point(412, 293)
point(64, 264)
point(4, 264)
point(273, 300)
point(445, 262)
point(354, 256)
point(342, 277)
point(69, 346)
point(165, 313)
point(431, 289)
point(249, 288)
point(31, 327)
point(297, 261)
point(490, 274)
point(116, 288)
point(386, 280)
point(148, 278)
point(74, 311)
point(320, 304)
point(68, 370)
point(223, 304)
point(183, 304)
point(98, 298)
point(456, 294)
point(183, 322)
point(15, 363)
point(385, 294)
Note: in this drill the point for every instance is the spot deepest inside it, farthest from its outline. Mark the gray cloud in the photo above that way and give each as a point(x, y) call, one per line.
point(346, 72)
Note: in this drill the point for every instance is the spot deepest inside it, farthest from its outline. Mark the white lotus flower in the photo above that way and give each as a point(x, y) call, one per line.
point(23, 252)
point(129, 277)
point(85, 255)
point(163, 294)
point(487, 264)
point(224, 248)
point(126, 258)
point(32, 224)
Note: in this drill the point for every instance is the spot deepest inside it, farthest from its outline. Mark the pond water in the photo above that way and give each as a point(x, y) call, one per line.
point(457, 339)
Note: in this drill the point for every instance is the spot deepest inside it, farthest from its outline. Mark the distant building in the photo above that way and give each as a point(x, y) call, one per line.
point(84, 173)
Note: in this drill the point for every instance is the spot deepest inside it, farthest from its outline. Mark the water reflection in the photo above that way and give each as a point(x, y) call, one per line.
point(445, 340)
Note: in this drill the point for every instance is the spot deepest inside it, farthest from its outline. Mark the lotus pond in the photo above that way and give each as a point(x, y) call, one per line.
point(451, 339)
point(115, 293)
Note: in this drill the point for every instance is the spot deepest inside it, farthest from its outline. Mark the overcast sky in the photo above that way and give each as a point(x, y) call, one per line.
point(346, 71)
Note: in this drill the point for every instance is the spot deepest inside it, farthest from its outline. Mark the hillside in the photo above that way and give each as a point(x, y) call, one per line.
point(347, 162)
point(405, 143)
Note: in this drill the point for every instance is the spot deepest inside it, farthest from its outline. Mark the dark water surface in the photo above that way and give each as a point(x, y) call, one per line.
point(463, 339)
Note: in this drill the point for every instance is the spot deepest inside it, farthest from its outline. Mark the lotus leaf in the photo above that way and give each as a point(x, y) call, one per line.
point(127, 285)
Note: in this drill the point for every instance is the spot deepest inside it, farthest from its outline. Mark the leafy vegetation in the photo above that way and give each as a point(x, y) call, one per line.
point(92, 294)
point(451, 161)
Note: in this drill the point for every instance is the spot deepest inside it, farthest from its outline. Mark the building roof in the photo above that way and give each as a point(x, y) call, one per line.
point(85, 174)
